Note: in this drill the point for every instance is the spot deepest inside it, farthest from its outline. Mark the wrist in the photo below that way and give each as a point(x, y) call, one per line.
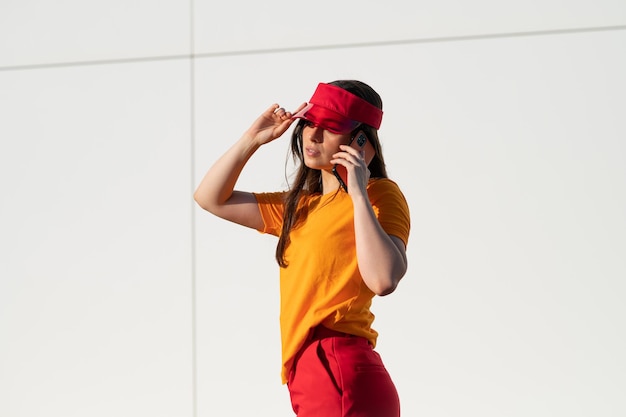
point(249, 143)
point(360, 199)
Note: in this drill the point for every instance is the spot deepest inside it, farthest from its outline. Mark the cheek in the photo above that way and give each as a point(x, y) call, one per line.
point(333, 140)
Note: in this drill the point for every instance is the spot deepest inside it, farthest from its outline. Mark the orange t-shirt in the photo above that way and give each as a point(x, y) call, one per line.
point(322, 283)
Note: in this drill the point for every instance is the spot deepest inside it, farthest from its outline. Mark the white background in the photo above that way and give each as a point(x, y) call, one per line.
point(504, 125)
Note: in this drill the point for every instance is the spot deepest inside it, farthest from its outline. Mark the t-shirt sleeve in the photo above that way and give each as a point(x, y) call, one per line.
point(391, 208)
point(271, 206)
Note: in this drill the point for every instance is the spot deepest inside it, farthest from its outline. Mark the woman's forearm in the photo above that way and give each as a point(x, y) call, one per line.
point(216, 194)
point(217, 186)
point(216, 190)
point(381, 258)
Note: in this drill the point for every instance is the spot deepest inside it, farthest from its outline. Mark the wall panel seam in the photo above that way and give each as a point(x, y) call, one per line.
point(192, 179)
point(193, 55)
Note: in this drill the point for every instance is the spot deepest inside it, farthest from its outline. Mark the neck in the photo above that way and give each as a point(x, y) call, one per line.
point(330, 184)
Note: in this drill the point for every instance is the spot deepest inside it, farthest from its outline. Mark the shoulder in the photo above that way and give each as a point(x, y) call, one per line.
point(390, 207)
point(387, 198)
point(383, 186)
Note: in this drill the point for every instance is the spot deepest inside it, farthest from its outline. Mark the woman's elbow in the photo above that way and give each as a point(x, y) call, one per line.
point(383, 290)
point(202, 202)
point(386, 286)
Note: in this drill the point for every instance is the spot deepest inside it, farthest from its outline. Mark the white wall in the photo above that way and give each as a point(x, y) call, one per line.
point(504, 125)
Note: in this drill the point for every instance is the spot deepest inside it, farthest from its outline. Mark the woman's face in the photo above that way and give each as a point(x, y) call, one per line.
point(319, 145)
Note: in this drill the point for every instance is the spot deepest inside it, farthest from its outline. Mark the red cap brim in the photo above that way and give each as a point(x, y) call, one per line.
point(326, 119)
point(338, 110)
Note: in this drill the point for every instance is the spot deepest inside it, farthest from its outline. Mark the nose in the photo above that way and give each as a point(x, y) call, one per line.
point(315, 133)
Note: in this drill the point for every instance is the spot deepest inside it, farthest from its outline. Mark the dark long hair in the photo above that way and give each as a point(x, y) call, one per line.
point(308, 181)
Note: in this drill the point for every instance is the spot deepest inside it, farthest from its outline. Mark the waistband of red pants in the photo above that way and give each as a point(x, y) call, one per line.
point(322, 332)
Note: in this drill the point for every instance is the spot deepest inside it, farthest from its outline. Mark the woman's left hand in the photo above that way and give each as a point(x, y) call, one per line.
point(354, 162)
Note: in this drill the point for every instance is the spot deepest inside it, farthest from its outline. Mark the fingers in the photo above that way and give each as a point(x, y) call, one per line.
point(271, 109)
point(279, 111)
point(281, 119)
point(275, 121)
point(282, 114)
point(359, 155)
point(348, 156)
point(354, 162)
point(274, 111)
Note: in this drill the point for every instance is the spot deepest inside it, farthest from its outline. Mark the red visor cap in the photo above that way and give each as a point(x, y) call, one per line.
point(338, 110)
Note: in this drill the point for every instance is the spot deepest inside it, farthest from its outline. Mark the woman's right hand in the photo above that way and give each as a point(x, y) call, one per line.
point(271, 124)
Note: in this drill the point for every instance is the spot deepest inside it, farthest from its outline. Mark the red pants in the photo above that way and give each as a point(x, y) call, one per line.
point(341, 376)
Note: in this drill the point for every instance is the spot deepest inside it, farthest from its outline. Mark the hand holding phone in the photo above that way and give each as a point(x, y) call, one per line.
point(359, 142)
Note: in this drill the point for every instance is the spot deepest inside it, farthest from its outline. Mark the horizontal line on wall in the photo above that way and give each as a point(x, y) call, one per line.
point(416, 41)
point(317, 48)
point(96, 62)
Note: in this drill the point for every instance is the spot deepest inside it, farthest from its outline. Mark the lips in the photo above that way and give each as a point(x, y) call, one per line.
point(311, 151)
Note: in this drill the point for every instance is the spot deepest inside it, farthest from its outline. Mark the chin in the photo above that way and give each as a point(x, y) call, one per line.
point(318, 167)
point(313, 164)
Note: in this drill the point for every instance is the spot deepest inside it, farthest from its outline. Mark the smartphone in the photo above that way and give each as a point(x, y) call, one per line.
point(359, 142)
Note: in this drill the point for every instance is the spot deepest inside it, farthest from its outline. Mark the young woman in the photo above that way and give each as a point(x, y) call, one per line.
point(340, 243)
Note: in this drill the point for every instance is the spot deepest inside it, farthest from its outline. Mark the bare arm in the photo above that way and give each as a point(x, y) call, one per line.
point(381, 257)
point(216, 193)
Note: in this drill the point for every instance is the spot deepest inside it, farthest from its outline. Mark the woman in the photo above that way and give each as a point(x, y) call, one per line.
point(338, 246)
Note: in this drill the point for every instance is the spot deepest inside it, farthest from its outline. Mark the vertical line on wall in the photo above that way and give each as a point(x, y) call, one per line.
point(192, 134)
